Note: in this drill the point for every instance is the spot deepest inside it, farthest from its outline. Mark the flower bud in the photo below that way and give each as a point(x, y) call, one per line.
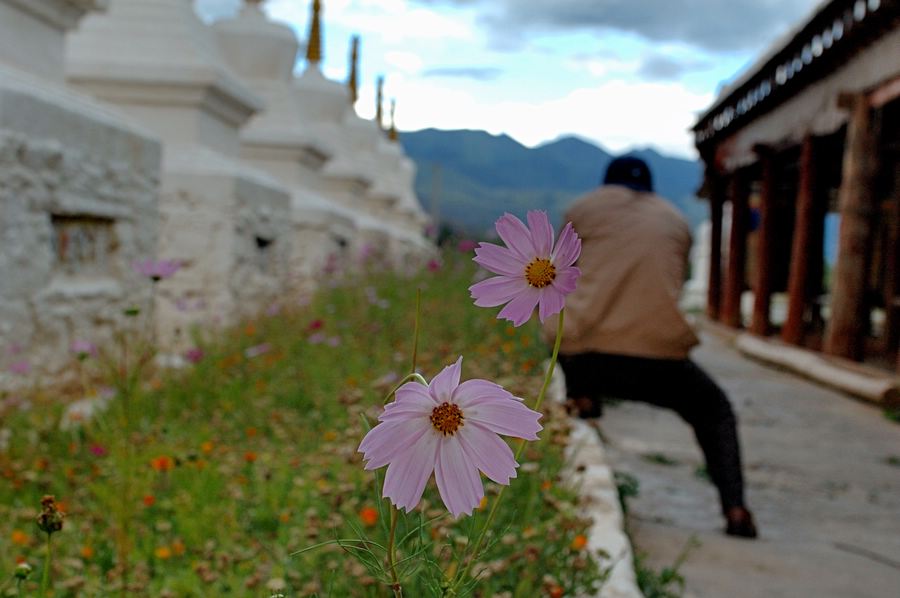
point(51, 518)
point(23, 570)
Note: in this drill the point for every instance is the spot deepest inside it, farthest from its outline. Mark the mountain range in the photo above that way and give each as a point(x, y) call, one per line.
point(474, 177)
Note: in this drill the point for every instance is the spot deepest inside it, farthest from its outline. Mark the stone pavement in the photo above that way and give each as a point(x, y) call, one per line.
point(823, 479)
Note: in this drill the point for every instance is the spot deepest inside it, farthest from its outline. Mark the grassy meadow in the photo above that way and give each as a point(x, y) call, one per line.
point(239, 475)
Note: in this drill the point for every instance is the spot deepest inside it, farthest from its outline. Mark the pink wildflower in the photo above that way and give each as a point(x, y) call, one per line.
point(450, 429)
point(466, 245)
point(315, 325)
point(20, 367)
point(434, 265)
point(532, 271)
point(317, 338)
point(98, 450)
point(83, 349)
point(194, 355)
point(157, 270)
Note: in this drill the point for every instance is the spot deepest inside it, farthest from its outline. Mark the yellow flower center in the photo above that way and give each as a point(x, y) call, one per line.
point(540, 272)
point(446, 419)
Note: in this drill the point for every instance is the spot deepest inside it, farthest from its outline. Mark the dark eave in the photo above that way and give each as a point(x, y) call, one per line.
point(833, 35)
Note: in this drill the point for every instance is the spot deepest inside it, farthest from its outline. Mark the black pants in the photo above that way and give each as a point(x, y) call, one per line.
point(677, 384)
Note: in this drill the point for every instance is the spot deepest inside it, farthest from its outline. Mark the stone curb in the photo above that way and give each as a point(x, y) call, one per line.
point(588, 471)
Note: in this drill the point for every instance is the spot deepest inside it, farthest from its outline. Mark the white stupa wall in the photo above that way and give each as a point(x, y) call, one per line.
point(228, 223)
point(78, 200)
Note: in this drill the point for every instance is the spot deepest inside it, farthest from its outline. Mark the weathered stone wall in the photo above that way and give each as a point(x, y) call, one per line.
point(78, 201)
point(231, 230)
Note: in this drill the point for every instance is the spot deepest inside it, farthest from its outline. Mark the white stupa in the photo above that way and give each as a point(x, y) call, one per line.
point(227, 222)
point(278, 140)
point(78, 199)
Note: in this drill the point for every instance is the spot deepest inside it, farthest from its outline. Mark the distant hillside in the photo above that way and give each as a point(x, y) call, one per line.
point(482, 175)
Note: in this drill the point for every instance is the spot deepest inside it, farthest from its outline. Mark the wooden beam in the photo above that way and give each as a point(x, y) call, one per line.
point(714, 288)
point(737, 251)
point(762, 286)
point(801, 248)
point(847, 325)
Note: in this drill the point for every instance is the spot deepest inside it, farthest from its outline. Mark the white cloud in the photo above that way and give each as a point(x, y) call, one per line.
point(393, 21)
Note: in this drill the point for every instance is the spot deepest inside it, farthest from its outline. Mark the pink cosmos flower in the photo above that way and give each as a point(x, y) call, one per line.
point(466, 245)
point(157, 270)
point(532, 270)
point(20, 367)
point(194, 355)
point(450, 429)
point(83, 349)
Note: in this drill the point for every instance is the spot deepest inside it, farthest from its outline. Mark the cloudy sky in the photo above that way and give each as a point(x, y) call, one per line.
point(621, 73)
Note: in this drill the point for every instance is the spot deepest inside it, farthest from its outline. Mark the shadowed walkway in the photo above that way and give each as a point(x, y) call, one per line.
point(823, 479)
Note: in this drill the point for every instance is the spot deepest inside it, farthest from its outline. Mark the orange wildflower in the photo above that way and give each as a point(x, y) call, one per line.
point(87, 552)
point(250, 432)
point(19, 537)
point(161, 463)
point(163, 553)
point(579, 542)
point(249, 456)
point(207, 446)
point(329, 435)
point(178, 547)
point(369, 516)
point(149, 500)
point(555, 592)
point(483, 503)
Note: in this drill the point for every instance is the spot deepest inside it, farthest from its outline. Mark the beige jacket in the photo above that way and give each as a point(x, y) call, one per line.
point(633, 258)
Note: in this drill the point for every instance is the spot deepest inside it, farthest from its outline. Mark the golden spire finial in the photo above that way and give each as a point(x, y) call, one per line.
point(351, 81)
point(314, 39)
point(379, 99)
point(392, 132)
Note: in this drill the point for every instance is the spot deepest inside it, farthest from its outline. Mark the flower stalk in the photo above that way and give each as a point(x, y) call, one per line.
point(464, 572)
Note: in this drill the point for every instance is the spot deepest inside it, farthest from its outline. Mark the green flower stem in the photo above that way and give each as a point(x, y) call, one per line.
point(493, 512)
point(391, 556)
point(45, 579)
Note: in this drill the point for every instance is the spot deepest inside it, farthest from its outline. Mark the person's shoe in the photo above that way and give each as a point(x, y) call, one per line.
point(584, 407)
point(739, 523)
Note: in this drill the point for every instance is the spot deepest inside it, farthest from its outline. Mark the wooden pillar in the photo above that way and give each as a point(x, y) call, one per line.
point(844, 334)
point(762, 285)
point(802, 253)
point(714, 289)
point(892, 272)
point(737, 251)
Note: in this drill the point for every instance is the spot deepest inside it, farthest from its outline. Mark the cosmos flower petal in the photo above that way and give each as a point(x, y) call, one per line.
point(503, 416)
point(457, 478)
point(566, 279)
point(497, 290)
point(551, 302)
point(488, 452)
point(499, 260)
point(472, 392)
point(516, 236)
point(390, 441)
point(520, 308)
point(407, 475)
point(568, 247)
point(541, 232)
point(442, 385)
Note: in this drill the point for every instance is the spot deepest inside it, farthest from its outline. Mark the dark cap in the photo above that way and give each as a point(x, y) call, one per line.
point(630, 172)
